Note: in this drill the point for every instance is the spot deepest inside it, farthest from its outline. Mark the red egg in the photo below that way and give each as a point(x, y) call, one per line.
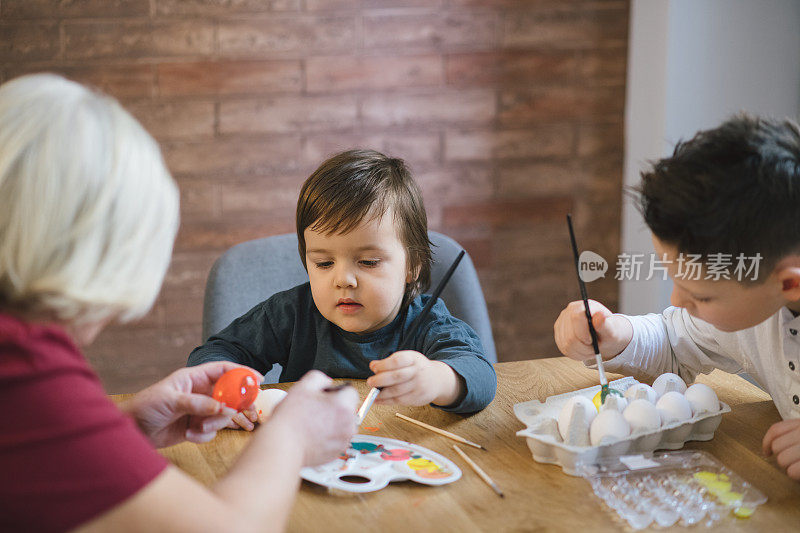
point(237, 388)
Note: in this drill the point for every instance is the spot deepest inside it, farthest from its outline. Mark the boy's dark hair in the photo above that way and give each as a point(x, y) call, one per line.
point(356, 184)
point(734, 189)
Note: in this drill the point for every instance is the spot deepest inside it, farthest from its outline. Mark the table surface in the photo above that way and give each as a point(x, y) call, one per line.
point(538, 497)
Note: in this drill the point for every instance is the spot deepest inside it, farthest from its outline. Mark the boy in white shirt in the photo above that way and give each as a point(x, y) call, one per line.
point(732, 195)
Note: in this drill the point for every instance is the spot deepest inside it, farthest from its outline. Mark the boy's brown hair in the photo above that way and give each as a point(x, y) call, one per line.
point(353, 185)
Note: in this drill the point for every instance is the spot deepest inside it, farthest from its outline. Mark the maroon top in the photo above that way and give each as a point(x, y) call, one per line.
point(67, 454)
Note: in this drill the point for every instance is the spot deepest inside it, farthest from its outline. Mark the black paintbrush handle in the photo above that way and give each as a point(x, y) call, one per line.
point(582, 285)
point(434, 296)
point(373, 393)
point(336, 388)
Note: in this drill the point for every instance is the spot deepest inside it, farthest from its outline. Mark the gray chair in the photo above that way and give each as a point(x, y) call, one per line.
point(252, 271)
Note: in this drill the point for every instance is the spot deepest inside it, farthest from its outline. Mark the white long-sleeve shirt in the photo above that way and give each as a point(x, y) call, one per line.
point(675, 341)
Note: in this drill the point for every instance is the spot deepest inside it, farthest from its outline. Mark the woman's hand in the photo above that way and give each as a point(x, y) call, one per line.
point(318, 422)
point(180, 407)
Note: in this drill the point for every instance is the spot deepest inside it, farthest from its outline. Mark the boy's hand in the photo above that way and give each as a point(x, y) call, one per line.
point(409, 378)
point(614, 332)
point(245, 419)
point(783, 440)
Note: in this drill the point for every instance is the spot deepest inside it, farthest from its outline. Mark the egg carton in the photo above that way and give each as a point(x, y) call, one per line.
point(547, 446)
point(684, 487)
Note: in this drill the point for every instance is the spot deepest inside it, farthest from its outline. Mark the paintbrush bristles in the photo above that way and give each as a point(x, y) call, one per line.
point(367, 405)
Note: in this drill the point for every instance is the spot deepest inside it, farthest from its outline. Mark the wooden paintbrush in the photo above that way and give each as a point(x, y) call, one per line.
point(440, 431)
point(478, 470)
point(373, 393)
point(604, 389)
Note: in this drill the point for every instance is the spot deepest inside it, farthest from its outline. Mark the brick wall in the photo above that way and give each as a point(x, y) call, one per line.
point(508, 111)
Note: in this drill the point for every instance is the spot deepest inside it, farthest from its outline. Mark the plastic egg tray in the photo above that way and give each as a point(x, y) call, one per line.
point(547, 446)
point(667, 488)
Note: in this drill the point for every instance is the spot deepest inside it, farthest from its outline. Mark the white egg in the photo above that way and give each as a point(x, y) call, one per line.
point(702, 398)
point(266, 401)
point(608, 426)
point(575, 417)
point(615, 402)
point(674, 407)
point(641, 391)
point(668, 382)
point(642, 416)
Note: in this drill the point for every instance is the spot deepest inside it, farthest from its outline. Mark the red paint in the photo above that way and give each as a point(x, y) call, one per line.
point(396, 455)
point(237, 388)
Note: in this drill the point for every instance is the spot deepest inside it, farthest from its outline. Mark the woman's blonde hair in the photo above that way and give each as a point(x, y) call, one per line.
point(88, 210)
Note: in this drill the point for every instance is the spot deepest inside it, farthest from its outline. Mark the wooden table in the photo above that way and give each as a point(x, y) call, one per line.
point(538, 497)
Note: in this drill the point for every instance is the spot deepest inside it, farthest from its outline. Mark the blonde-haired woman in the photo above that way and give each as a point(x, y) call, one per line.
point(88, 215)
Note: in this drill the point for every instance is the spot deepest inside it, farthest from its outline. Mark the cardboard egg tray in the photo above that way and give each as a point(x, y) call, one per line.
point(547, 446)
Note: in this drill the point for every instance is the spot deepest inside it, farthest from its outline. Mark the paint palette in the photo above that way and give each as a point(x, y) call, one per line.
point(371, 463)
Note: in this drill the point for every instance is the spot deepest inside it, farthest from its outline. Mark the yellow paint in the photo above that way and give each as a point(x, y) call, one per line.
point(597, 400)
point(718, 488)
point(729, 497)
point(420, 463)
point(427, 468)
point(705, 476)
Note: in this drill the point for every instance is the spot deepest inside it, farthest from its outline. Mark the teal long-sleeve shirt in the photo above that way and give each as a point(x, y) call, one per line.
point(288, 329)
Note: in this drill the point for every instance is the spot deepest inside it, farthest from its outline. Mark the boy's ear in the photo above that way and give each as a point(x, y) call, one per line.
point(789, 278)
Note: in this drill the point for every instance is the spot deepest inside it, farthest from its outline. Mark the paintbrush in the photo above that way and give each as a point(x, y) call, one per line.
point(478, 470)
point(604, 389)
point(373, 393)
point(439, 431)
point(337, 388)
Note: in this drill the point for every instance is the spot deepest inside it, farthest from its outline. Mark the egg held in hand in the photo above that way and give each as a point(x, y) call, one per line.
point(237, 388)
point(267, 400)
